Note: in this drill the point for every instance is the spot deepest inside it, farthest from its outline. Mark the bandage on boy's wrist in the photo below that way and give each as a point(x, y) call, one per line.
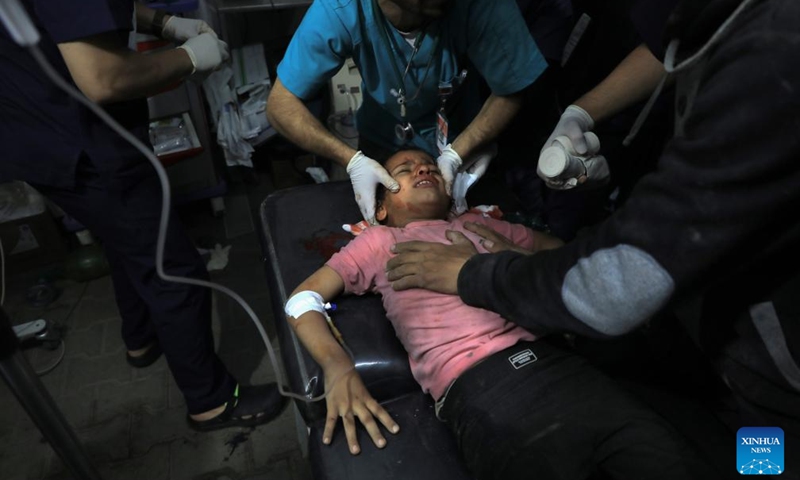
point(303, 302)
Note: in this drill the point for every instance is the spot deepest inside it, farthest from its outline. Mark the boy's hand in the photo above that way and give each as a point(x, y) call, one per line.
point(348, 399)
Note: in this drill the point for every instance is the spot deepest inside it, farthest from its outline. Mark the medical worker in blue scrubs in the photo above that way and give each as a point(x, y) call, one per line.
point(418, 60)
point(67, 153)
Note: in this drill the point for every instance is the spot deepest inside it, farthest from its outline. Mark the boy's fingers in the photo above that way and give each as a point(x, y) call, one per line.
point(372, 428)
point(350, 433)
point(330, 426)
point(385, 419)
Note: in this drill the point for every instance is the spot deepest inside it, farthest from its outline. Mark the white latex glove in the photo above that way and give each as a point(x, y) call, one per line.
point(365, 175)
point(206, 52)
point(474, 169)
point(573, 124)
point(180, 29)
point(449, 162)
point(576, 171)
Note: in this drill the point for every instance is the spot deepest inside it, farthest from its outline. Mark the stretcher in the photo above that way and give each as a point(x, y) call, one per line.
point(300, 229)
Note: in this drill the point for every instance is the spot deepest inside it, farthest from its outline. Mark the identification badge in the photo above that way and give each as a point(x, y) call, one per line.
point(441, 131)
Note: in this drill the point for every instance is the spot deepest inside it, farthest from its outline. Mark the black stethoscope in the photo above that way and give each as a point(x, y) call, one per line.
point(404, 131)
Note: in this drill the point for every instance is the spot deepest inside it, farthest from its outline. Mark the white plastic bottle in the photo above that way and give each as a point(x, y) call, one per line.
point(563, 168)
point(561, 163)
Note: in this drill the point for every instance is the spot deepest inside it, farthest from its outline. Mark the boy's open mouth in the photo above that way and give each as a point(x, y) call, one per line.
point(426, 182)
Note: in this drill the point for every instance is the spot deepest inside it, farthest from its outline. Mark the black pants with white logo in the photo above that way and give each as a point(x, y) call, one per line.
point(557, 417)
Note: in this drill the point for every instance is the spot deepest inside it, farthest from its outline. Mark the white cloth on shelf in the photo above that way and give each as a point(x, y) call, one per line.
point(231, 131)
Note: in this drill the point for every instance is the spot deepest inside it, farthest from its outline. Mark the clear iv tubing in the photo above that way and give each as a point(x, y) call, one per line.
point(165, 208)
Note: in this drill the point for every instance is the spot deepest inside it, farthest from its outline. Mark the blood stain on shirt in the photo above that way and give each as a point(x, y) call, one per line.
point(326, 243)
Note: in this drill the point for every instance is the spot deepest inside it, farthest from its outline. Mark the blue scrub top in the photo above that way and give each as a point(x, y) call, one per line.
point(43, 132)
point(491, 34)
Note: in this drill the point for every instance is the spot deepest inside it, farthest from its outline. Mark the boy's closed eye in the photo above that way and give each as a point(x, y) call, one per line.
point(432, 170)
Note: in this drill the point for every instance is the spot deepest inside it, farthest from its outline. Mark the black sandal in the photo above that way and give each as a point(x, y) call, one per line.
point(148, 358)
point(250, 406)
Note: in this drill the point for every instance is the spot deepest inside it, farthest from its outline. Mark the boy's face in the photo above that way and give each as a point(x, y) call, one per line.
point(422, 194)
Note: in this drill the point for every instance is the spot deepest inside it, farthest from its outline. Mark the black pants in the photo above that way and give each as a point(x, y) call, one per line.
point(559, 418)
point(122, 209)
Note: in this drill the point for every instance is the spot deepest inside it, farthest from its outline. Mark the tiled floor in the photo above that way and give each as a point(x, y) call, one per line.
point(132, 422)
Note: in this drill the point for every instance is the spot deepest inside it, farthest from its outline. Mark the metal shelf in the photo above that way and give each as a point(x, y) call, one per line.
point(262, 137)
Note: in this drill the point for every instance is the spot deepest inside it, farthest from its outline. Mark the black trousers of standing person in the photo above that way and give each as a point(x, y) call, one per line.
point(558, 418)
point(122, 208)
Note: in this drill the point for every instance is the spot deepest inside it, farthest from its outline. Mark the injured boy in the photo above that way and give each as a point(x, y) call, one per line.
point(518, 405)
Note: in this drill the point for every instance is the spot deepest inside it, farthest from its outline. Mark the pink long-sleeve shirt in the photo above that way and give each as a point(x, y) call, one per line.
point(442, 335)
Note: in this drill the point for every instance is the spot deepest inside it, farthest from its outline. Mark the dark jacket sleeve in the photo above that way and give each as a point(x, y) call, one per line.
point(725, 195)
point(70, 21)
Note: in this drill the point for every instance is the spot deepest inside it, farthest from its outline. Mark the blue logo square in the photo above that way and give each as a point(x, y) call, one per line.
point(759, 451)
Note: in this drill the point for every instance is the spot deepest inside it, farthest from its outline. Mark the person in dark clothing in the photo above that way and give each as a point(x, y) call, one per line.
point(61, 148)
point(608, 69)
point(711, 234)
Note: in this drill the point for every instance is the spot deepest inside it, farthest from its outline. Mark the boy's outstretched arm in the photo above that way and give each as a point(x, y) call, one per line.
point(348, 397)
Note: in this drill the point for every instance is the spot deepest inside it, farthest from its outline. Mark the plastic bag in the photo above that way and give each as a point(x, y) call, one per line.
point(19, 200)
point(169, 135)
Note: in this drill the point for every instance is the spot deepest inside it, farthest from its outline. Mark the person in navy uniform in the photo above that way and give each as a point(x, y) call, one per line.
point(67, 153)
